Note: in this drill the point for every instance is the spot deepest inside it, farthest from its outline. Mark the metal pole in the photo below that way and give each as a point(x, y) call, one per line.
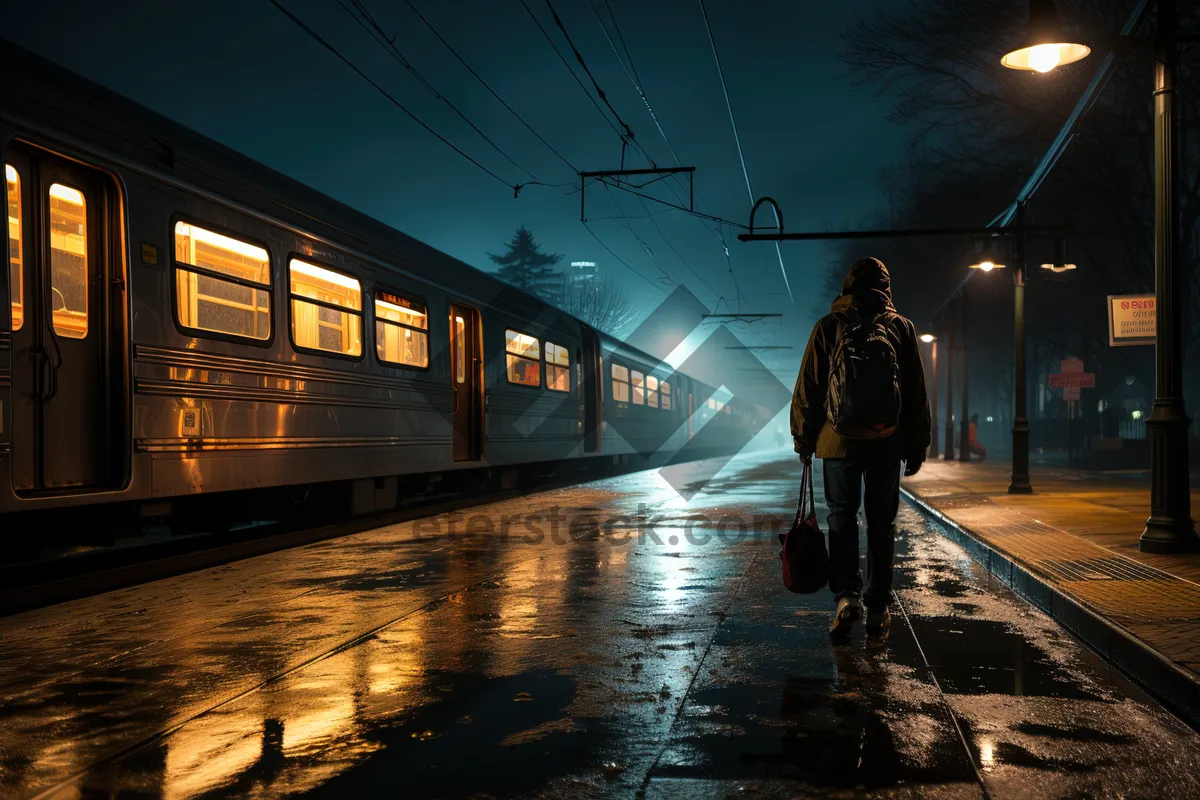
point(1170, 528)
point(964, 424)
point(933, 379)
point(1019, 483)
point(948, 453)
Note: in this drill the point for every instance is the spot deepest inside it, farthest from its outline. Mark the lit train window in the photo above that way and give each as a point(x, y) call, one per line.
point(524, 356)
point(222, 285)
point(651, 391)
point(639, 388)
point(460, 349)
point(558, 368)
point(620, 383)
point(401, 326)
point(16, 276)
point(68, 261)
point(665, 391)
point(326, 309)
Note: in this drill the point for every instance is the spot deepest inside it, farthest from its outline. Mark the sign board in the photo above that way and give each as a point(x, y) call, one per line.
point(1071, 393)
point(1131, 320)
point(1071, 365)
point(1073, 380)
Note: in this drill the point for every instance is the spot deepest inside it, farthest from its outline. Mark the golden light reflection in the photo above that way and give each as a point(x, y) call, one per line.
point(210, 752)
point(987, 758)
point(325, 710)
point(397, 664)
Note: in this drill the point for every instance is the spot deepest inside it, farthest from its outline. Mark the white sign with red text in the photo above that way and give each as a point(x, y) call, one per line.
point(1131, 320)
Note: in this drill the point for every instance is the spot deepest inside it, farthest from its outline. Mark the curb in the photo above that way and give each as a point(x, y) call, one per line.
point(1176, 688)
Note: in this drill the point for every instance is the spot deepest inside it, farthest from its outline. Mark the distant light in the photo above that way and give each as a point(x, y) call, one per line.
point(991, 419)
point(583, 263)
point(1137, 413)
point(987, 265)
point(1058, 267)
point(928, 337)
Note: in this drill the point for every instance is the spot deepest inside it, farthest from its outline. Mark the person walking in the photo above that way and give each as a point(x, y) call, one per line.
point(860, 405)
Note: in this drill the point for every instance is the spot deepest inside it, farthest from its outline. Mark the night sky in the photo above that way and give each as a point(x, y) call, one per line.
point(245, 75)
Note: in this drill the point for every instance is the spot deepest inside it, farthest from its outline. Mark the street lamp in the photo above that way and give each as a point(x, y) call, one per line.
point(1170, 528)
point(987, 256)
point(1060, 258)
point(929, 338)
point(1045, 45)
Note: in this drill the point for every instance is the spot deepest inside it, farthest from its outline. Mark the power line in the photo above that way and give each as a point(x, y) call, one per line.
point(389, 45)
point(566, 64)
point(487, 86)
point(618, 258)
point(579, 57)
point(635, 79)
point(710, 217)
point(640, 241)
point(737, 139)
point(299, 23)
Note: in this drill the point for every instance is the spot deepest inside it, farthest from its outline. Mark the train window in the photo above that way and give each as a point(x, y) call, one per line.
point(16, 276)
point(460, 349)
point(222, 285)
point(326, 309)
point(558, 368)
point(68, 261)
point(651, 391)
point(665, 391)
point(401, 326)
point(620, 383)
point(524, 355)
point(639, 388)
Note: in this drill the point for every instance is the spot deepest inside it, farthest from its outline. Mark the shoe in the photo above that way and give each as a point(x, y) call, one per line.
point(848, 613)
point(879, 620)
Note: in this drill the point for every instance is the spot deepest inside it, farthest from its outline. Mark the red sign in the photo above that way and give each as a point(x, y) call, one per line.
point(1073, 380)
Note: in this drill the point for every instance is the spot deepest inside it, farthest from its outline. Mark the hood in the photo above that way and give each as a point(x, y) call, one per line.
point(867, 289)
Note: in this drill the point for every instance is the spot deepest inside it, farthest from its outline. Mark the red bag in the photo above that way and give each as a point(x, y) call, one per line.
point(802, 549)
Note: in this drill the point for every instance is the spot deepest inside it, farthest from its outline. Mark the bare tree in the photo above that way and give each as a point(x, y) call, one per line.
point(978, 130)
point(599, 302)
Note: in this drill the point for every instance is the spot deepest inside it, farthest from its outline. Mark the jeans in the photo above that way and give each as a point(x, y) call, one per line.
point(844, 480)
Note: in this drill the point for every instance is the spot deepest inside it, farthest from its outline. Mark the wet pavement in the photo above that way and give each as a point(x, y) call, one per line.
point(608, 640)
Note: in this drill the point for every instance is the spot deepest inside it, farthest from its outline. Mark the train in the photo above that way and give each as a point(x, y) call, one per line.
point(186, 322)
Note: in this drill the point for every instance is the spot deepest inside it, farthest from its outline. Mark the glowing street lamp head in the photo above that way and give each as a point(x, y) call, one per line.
point(1045, 45)
point(928, 337)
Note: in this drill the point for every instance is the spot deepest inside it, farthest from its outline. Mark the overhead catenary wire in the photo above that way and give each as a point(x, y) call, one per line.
point(369, 24)
point(567, 64)
point(488, 86)
point(316, 36)
point(630, 70)
point(741, 157)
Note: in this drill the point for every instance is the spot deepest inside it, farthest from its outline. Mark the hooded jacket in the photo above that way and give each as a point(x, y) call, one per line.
point(866, 292)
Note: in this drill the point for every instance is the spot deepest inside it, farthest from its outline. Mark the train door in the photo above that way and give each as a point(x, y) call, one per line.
point(593, 388)
point(64, 418)
point(466, 375)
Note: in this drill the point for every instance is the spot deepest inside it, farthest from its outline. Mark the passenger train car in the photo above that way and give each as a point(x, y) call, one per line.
point(183, 321)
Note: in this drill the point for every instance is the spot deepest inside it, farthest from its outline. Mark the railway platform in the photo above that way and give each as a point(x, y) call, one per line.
point(1072, 548)
point(606, 640)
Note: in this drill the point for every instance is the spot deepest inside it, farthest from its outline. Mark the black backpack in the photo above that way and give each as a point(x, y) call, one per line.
point(864, 379)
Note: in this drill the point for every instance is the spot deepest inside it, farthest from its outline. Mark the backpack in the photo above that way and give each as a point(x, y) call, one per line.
point(864, 379)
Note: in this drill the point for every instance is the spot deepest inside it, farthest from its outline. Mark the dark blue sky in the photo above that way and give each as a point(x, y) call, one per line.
point(243, 74)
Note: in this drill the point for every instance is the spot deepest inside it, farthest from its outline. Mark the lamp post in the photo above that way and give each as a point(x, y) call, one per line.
point(1170, 528)
point(931, 340)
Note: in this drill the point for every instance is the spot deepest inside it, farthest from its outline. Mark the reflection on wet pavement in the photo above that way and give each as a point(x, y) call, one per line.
point(575, 655)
